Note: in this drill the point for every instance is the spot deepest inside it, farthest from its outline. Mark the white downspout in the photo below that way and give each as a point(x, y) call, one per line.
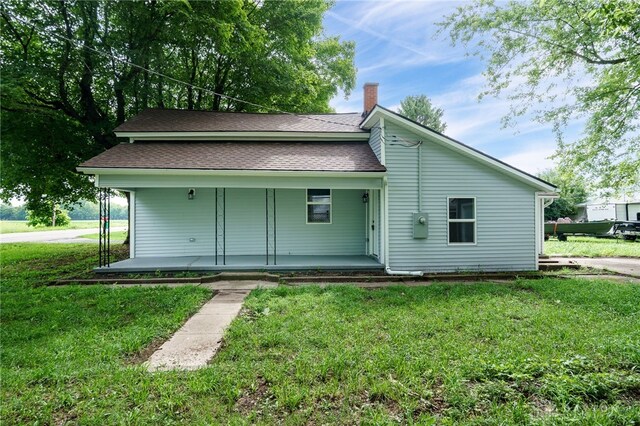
point(412, 273)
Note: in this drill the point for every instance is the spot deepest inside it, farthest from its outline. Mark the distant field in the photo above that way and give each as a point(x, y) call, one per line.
point(11, 226)
point(592, 247)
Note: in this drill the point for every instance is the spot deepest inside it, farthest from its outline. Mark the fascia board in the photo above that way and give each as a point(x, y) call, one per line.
point(201, 172)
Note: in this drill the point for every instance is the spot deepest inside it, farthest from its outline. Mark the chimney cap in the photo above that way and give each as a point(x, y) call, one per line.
point(370, 84)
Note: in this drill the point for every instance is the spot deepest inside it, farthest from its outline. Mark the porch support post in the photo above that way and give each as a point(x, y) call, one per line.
point(384, 223)
point(220, 194)
point(270, 225)
point(104, 234)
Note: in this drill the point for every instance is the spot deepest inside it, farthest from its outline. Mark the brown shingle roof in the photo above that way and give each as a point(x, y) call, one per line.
point(280, 156)
point(173, 120)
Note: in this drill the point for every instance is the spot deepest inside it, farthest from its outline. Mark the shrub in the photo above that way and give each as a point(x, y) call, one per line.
point(40, 219)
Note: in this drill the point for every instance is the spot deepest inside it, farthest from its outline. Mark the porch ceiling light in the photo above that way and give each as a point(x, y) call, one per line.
point(191, 194)
point(365, 197)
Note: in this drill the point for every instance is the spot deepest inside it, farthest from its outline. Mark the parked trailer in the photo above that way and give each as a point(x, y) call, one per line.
point(561, 230)
point(629, 230)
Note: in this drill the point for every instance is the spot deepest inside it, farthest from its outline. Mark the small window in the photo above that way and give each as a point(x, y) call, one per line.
point(318, 206)
point(462, 220)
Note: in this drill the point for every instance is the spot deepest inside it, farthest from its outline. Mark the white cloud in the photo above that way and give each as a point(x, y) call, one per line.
point(395, 46)
point(533, 159)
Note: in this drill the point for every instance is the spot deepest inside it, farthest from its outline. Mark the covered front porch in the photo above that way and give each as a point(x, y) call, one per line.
point(253, 229)
point(242, 263)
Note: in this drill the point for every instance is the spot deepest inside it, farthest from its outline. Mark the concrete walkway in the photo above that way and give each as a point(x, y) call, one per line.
point(193, 345)
point(621, 265)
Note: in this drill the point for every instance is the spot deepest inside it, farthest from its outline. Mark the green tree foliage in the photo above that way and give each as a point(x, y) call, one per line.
point(86, 210)
point(572, 191)
point(580, 60)
point(9, 212)
point(420, 109)
point(55, 217)
point(74, 70)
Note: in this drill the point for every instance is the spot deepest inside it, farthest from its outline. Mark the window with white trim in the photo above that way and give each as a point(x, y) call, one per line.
point(461, 214)
point(318, 206)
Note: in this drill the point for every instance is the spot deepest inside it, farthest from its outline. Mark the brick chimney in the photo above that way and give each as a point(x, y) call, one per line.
point(370, 96)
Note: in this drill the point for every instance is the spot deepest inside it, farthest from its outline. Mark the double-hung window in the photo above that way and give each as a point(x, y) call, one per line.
point(318, 206)
point(461, 213)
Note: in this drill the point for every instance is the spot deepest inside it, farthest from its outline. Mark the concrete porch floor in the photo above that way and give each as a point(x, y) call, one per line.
point(242, 263)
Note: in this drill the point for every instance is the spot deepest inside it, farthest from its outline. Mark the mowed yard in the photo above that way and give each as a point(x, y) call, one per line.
point(592, 247)
point(543, 351)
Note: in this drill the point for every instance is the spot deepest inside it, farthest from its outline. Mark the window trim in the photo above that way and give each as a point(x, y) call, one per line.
point(474, 221)
point(316, 203)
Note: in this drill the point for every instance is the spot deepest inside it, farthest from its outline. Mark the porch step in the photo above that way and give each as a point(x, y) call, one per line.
point(241, 276)
point(222, 276)
point(555, 264)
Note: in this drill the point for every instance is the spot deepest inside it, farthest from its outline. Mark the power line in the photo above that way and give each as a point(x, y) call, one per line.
point(175, 80)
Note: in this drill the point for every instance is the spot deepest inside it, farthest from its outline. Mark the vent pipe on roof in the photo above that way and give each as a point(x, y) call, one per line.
point(370, 96)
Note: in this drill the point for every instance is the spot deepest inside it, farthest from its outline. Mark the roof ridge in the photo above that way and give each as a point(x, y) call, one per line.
point(249, 112)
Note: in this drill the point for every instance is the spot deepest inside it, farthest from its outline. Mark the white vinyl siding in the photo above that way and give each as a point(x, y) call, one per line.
point(375, 140)
point(344, 236)
point(165, 221)
point(505, 209)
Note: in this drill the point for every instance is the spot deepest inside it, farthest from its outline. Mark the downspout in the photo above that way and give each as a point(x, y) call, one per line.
point(388, 270)
point(412, 273)
point(420, 177)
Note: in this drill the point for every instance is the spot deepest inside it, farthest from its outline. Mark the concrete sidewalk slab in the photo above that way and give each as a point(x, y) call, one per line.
point(197, 341)
point(621, 265)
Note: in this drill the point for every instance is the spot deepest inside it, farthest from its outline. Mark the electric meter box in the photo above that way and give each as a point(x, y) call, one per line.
point(420, 225)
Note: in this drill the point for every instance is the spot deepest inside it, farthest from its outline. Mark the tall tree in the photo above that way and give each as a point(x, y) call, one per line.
point(572, 191)
point(577, 60)
point(73, 70)
point(420, 109)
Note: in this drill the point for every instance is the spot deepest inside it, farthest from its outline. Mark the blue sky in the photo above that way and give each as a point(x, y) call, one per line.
point(396, 46)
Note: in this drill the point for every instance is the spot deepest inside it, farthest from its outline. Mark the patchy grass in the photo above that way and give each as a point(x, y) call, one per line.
point(12, 226)
point(592, 247)
point(545, 351)
point(64, 350)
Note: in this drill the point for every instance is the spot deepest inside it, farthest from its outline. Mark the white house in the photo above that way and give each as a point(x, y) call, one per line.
point(621, 210)
point(216, 191)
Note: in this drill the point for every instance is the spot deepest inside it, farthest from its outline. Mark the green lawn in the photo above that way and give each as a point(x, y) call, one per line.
point(532, 352)
point(11, 226)
point(592, 247)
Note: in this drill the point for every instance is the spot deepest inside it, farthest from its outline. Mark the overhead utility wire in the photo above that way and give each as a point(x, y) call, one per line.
point(175, 79)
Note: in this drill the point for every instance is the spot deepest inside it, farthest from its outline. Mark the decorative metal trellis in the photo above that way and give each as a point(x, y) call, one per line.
point(104, 238)
point(270, 211)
